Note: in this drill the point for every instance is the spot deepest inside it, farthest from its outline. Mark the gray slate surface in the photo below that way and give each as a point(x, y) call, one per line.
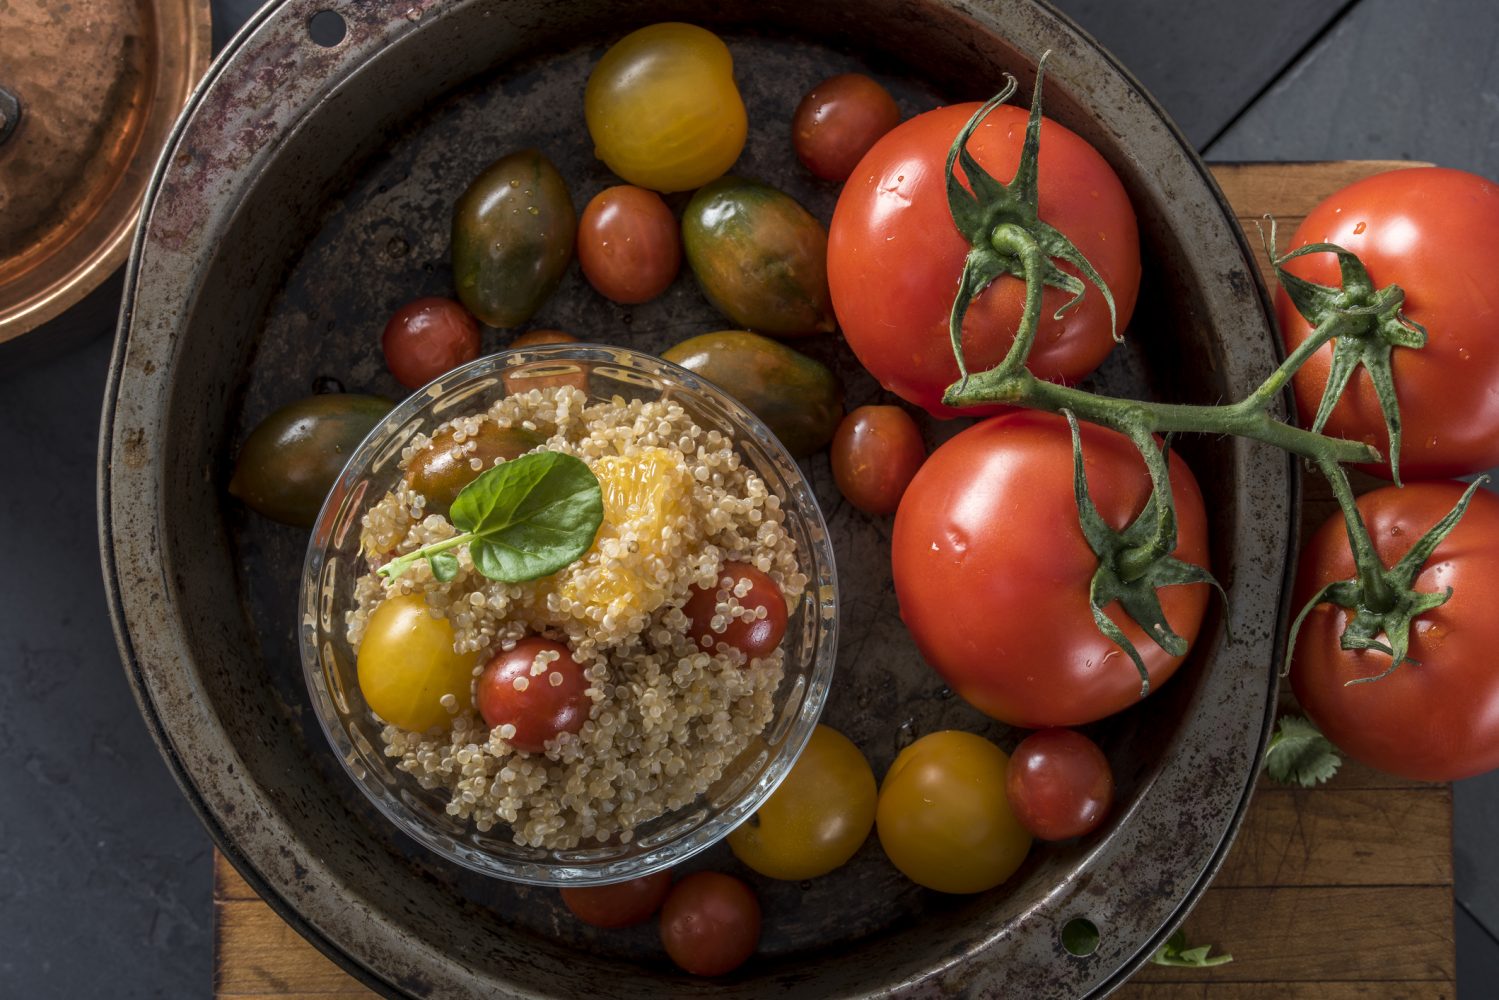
point(104, 880)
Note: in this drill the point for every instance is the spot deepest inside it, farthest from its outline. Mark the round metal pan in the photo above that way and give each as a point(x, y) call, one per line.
point(89, 90)
point(307, 193)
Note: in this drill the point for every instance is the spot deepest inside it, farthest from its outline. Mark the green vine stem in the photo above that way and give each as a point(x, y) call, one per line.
point(1006, 236)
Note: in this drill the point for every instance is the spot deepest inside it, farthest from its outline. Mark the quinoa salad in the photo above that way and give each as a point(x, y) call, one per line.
point(668, 710)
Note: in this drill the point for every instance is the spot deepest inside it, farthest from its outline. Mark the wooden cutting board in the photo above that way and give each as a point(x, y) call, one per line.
point(1339, 893)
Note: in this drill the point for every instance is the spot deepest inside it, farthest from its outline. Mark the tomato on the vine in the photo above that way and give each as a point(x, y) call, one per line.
point(895, 254)
point(1060, 784)
point(992, 570)
point(1435, 233)
point(817, 818)
point(1436, 716)
point(943, 817)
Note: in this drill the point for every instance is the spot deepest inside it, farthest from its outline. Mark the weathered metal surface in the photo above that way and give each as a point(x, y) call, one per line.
point(90, 91)
point(308, 193)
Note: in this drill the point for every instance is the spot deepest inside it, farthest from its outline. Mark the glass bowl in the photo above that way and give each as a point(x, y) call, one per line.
point(334, 563)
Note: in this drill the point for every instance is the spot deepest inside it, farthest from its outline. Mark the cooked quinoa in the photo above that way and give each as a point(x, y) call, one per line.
point(668, 716)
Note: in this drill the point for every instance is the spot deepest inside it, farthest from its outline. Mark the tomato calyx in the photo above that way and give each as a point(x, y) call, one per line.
point(1369, 324)
point(1134, 562)
point(1383, 600)
point(1004, 229)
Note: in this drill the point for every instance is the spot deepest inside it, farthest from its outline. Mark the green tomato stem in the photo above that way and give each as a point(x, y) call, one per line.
point(1378, 596)
point(401, 564)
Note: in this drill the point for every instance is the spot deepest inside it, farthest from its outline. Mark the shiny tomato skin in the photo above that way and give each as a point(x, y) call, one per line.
point(759, 637)
point(943, 817)
point(540, 710)
point(837, 122)
point(1436, 719)
point(1060, 784)
point(628, 244)
point(1435, 233)
point(817, 818)
point(992, 570)
point(710, 923)
point(894, 256)
point(623, 904)
point(875, 454)
point(427, 338)
point(663, 109)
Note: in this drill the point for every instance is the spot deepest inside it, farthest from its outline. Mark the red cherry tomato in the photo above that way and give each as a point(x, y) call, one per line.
point(623, 904)
point(533, 337)
point(1059, 784)
point(894, 256)
point(710, 923)
point(837, 122)
point(992, 570)
point(1435, 233)
point(875, 454)
point(629, 244)
point(1436, 717)
point(538, 707)
point(427, 338)
point(741, 624)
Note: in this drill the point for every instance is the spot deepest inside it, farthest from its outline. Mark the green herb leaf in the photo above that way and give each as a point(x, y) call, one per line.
point(1176, 953)
point(530, 516)
point(444, 565)
point(523, 519)
point(1300, 755)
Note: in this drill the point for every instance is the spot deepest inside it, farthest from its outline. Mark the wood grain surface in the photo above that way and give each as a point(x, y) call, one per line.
point(1338, 893)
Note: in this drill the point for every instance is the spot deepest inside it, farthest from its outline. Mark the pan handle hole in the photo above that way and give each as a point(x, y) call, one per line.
point(1080, 937)
point(327, 28)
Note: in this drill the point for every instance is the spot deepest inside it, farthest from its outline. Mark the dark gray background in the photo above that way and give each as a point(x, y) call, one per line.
point(104, 871)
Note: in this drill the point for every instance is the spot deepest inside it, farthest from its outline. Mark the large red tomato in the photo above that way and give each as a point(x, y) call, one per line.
point(1436, 719)
point(992, 569)
point(894, 256)
point(1435, 233)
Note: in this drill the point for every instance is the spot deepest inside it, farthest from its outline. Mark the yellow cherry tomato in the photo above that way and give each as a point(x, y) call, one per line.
point(818, 817)
point(944, 819)
point(406, 664)
point(663, 108)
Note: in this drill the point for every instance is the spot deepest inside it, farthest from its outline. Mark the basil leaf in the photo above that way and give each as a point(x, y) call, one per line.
point(444, 565)
point(530, 516)
point(1175, 952)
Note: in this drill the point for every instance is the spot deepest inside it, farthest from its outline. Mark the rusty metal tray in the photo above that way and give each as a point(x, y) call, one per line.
point(307, 193)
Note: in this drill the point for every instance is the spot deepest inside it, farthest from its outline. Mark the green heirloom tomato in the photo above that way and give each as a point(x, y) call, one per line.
point(799, 399)
point(761, 258)
point(292, 457)
point(443, 468)
point(513, 233)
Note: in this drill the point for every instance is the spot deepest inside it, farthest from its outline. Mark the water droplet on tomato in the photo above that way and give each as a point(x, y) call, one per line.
point(1464, 353)
point(1358, 230)
point(1431, 442)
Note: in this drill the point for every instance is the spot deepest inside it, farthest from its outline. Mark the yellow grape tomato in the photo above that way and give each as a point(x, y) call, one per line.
point(407, 664)
point(663, 109)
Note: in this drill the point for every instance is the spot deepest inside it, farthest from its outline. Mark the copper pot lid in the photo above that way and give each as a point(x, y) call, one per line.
point(89, 90)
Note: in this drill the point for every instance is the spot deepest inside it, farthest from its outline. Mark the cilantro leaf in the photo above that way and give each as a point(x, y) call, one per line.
point(1300, 755)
